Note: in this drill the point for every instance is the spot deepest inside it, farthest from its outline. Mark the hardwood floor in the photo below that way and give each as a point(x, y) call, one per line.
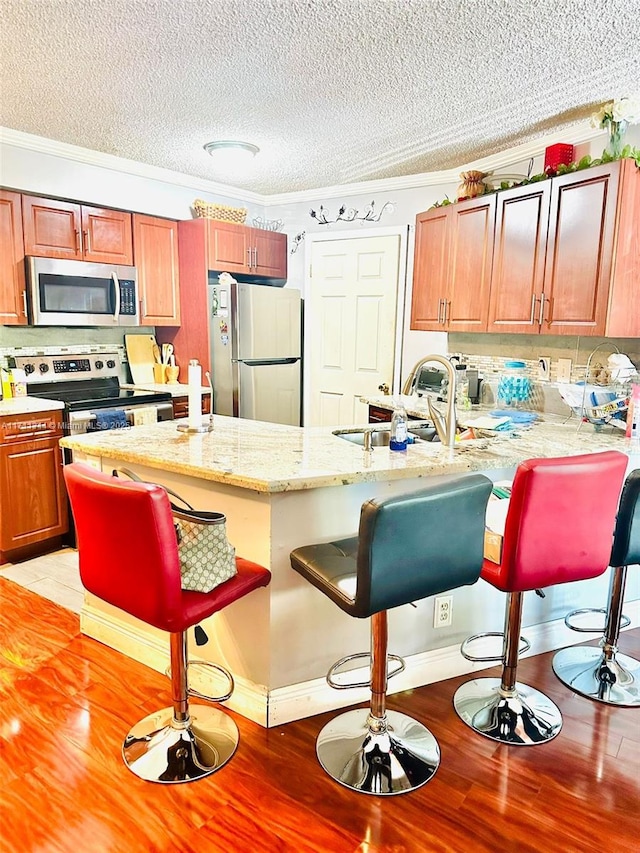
point(67, 702)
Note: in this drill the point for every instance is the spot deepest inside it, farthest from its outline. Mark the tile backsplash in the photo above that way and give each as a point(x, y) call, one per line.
point(488, 353)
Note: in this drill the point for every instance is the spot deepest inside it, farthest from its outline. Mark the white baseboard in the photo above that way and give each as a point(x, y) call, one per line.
point(315, 697)
point(305, 699)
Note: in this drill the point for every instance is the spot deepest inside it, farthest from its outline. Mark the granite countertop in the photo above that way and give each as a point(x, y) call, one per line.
point(177, 389)
point(275, 458)
point(27, 405)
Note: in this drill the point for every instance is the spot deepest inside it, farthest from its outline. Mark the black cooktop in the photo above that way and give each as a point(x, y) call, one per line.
point(95, 394)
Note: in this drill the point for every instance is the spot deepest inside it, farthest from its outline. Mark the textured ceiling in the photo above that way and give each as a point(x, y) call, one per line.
point(332, 91)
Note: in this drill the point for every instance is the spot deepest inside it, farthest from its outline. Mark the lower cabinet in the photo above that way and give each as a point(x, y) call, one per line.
point(33, 503)
point(181, 406)
point(378, 415)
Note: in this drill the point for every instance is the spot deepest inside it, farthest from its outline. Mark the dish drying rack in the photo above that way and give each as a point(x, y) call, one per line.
point(605, 413)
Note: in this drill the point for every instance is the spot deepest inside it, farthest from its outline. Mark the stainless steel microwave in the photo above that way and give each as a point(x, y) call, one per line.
point(76, 293)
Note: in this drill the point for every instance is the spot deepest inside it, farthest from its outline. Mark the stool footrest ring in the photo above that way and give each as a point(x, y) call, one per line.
point(221, 669)
point(624, 620)
point(337, 685)
point(524, 647)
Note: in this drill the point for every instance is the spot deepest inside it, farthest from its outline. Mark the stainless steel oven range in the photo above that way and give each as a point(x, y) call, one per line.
point(89, 384)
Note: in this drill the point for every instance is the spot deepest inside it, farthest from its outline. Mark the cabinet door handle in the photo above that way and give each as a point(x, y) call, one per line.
point(249, 253)
point(446, 311)
point(439, 310)
point(534, 299)
point(541, 315)
point(78, 241)
point(255, 257)
point(87, 245)
point(24, 302)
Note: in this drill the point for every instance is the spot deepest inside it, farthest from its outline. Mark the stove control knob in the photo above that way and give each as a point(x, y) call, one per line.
point(29, 368)
point(99, 364)
point(43, 367)
point(111, 364)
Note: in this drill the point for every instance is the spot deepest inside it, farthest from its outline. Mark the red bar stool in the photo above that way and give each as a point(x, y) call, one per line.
point(601, 673)
point(408, 548)
point(129, 558)
point(558, 529)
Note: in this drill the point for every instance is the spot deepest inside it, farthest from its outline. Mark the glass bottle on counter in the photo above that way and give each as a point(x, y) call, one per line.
point(399, 433)
point(462, 388)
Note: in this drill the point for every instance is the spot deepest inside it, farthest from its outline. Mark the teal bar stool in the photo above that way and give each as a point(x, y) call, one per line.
point(408, 548)
point(603, 673)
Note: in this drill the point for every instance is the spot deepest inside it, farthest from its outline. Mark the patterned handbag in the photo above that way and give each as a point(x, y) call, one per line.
point(207, 559)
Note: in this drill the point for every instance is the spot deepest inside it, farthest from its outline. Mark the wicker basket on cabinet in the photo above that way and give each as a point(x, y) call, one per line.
point(221, 212)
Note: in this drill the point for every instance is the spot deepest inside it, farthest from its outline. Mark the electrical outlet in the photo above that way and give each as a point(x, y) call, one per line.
point(442, 611)
point(564, 370)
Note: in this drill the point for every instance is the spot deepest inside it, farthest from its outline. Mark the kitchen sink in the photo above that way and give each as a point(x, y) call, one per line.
point(380, 437)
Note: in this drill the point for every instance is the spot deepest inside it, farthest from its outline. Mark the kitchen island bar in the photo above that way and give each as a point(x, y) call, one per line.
point(281, 487)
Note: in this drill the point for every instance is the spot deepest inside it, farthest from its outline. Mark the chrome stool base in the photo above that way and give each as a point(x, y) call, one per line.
point(160, 749)
point(586, 670)
point(401, 757)
point(524, 717)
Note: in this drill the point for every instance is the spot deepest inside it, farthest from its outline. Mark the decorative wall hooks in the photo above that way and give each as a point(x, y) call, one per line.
point(350, 214)
point(296, 242)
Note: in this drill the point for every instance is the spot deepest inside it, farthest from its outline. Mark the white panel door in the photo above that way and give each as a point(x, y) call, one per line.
point(351, 325)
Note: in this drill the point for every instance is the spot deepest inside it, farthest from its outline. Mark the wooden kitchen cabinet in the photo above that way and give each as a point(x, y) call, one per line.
point(33, 502)
point(155, 243)
point(13, 297)
point(270, 253)
point(517, 279)
point(567, 255)
point(379, 415)
point(181, 406)
point(452, 266)
point(250, 251)
point(63, 229)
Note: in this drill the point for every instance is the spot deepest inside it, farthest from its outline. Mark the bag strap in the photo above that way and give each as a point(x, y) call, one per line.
point(137, 479)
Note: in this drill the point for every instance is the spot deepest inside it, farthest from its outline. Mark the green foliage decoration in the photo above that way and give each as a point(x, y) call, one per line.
point(585, 162)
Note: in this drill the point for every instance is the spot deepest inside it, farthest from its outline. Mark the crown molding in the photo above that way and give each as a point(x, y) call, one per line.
point(494, 162)
point(28, 141)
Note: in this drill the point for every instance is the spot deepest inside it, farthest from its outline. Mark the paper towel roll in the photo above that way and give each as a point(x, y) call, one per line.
point(195, 395)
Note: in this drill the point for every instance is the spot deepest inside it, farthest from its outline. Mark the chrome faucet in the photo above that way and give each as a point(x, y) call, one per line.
point(445, 427)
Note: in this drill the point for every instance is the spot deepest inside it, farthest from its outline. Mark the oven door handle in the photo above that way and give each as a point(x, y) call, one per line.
point(116, 284)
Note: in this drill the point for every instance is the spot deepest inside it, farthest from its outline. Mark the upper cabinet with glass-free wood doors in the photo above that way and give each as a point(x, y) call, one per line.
point(251, 251)
point(63, 229)
point(567, 254)
point(452, 266)
point(13, 297)
point(156, 256)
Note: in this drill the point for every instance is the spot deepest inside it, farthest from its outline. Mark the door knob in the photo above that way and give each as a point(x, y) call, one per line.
point(384, 388)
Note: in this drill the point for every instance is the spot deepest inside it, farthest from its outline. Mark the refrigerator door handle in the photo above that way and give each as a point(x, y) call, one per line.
point(258, 362)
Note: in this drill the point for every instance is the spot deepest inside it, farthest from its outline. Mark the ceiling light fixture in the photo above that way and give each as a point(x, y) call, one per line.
point(231, 152)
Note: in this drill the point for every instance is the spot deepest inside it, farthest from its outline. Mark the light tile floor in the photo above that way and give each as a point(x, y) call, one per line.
point(54, 576)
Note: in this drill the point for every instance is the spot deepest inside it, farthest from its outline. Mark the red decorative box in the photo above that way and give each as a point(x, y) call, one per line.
point(556, 154)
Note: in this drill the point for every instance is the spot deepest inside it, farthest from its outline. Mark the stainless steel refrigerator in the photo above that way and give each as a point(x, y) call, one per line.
point(255, 351)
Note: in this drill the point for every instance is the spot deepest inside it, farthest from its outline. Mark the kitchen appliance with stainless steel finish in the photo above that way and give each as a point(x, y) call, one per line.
point(256, 351)
point(78, 293)
point(88, 383)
